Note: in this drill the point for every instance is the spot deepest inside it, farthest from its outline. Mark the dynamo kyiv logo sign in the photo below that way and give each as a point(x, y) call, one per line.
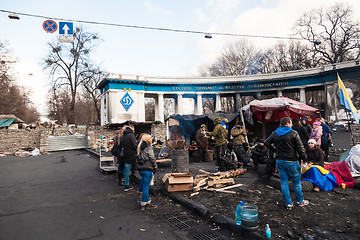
point(127, 101)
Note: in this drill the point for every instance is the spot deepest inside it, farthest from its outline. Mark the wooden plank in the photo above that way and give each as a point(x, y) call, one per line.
point(226, 191)
point(221, 181)
point(164, 160)
point(229, 187)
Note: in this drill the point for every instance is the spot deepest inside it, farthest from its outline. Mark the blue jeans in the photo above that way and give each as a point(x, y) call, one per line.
point(126, 173)
point(290, 169)
point(146, 177)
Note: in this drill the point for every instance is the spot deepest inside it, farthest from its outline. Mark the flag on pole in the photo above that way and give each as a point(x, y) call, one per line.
point(346, 101)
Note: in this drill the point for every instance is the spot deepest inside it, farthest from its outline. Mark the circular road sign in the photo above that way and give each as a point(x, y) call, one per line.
point(50, 26)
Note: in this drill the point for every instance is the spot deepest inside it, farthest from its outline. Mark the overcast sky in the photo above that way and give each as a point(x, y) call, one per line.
point(148, 52)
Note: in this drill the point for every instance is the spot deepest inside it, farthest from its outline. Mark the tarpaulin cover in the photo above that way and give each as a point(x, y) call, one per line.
point(353, 161)
point(277, 108)
point(190, 123)
point(6, 122)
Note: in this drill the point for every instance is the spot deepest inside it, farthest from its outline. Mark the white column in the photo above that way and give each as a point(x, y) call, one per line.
point(237, 102)
point(140, 107)
point(217, 102)
point(279, 93)
point(159, 108)
point(199, 106)
point(302, 95)
point(179, 104)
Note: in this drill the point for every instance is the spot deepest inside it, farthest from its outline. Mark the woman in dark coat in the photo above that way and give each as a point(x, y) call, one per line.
point(314, 153)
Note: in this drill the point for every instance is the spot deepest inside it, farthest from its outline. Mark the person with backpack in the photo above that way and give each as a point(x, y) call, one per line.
point(116, 151)
point(147, 166)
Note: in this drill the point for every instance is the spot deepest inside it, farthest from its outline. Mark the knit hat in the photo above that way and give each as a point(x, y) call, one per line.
point(312, 141)
point(317, 124)
point(203, 125)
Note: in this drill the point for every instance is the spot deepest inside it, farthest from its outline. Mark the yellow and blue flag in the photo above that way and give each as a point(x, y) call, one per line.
point(346, 101)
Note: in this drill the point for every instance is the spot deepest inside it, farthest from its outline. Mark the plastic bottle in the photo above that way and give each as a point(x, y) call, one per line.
point(267, 231)
point(238, 213)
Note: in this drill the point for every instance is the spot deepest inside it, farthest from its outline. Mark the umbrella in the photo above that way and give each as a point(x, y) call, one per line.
point(272, 110)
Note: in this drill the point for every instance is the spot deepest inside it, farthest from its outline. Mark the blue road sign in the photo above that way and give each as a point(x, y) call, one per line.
point(66, 28)
point(127, 101)
point(50, 26)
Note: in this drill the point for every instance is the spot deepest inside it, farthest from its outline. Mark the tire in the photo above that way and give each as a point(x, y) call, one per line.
point(357, 183)
point(306, 186)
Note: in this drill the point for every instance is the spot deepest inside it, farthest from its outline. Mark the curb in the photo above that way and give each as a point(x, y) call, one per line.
point(202, 211)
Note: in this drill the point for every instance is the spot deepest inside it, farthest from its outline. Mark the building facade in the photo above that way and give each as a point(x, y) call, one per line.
point(123, 96)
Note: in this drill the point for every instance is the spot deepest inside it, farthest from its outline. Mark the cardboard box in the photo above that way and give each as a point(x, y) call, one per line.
point(178, 182)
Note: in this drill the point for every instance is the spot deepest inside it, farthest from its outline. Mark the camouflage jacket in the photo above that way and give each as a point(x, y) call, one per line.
point(220, 134)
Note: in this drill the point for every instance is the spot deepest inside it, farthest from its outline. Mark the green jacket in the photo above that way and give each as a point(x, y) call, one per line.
point(219, 133)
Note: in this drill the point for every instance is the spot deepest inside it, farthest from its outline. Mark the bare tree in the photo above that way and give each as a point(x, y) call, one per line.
point(234, 60)
point(68, 64)
point(333, 33)
point(92, 78)
point(13, 98)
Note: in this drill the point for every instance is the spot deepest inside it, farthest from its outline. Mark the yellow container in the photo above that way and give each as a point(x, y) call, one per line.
point(343, 185)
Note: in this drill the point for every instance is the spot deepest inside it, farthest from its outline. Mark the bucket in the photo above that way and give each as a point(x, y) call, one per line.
point(249, 217)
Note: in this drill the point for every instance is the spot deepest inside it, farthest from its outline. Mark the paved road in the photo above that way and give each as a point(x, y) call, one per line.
point(63, 195)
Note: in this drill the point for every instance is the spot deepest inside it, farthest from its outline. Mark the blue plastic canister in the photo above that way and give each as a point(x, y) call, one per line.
point(249, 217)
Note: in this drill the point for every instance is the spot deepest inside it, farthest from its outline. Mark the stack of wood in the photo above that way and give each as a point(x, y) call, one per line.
point(217, 181)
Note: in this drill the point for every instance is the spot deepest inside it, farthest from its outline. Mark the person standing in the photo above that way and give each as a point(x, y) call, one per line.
point(220, 135)
point(316, 133)
point(128, 142)
point(307, 126)
point(120, 160)
point(304, 136)
point(288, 146)
point(238, 133)
point(202, 142)
point(147, 167)
point(325, 139)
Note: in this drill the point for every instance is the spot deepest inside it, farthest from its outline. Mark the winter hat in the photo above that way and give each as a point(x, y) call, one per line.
point(317, 124)
point(312, 141)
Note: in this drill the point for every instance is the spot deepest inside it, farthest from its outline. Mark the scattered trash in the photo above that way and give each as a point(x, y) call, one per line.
point(35, 152)
point(102, 217)
point(90, 212)
point(143, 230)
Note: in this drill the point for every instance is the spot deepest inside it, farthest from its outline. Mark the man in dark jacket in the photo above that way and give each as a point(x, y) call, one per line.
point(260, 153)
point(325, 139)
point(202, 142)
point(128, 142)
point(243, 153)
point(288, 146)
point(304, 136)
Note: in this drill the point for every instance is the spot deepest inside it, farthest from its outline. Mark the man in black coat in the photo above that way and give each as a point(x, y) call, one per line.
point(128, 142)
point(304, 135)
point(260, 153)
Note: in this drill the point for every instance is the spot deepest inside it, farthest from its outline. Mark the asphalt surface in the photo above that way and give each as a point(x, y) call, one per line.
point(63, 195)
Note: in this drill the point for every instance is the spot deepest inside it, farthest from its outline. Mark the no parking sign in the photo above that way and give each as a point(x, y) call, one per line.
point(50, 26)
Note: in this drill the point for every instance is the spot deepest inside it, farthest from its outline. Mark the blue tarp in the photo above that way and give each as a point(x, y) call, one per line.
point(6, 122)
